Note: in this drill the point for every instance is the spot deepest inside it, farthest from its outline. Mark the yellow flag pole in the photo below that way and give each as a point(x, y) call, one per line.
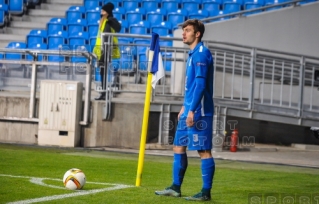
point(145, 120)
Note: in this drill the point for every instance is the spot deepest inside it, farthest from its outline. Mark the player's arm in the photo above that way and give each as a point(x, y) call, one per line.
point(180, 112)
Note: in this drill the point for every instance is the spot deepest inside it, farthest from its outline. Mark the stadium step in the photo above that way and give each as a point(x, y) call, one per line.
point(17, 31)
point(26, 24)
point(56, 7)
point(46, 13)
point(69, 2)
point(12, 37)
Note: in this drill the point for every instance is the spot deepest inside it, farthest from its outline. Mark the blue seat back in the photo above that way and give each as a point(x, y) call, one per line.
point(130, 5)
point(16, 6)
point(77, 26)
point(15, 45)
point(36, 46)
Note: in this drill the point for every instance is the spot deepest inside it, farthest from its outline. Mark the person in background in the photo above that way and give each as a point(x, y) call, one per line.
point(108, 24)
point(195, 119)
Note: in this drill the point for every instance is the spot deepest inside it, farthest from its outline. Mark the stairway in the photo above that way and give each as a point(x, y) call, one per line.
point(35, 19)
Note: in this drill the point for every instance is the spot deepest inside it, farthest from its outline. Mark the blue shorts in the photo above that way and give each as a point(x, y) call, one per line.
point(197, 137)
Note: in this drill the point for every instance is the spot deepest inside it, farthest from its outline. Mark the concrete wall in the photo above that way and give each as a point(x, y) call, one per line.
point(13, 131)
point(293, 30)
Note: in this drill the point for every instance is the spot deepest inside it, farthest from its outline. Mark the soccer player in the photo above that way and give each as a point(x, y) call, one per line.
point(195, 119)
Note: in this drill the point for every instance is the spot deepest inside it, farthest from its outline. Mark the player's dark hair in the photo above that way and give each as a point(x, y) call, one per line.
point(197, 25)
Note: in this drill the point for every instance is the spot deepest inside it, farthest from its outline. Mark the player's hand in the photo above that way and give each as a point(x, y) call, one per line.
point(190, 119)
point(180, 113)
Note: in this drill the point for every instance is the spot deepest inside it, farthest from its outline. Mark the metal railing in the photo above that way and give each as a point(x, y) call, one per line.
point(29, 69)
point(248, 79)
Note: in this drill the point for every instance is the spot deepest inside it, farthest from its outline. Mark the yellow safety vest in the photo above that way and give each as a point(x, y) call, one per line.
point(116, 54)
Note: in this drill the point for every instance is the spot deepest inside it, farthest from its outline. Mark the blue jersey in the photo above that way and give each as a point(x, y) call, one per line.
point(200, 64)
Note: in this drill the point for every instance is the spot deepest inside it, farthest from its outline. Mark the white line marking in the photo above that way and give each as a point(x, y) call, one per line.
point(39, 181)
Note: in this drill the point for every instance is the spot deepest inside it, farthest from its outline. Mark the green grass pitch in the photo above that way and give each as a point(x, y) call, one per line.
point(31, 174)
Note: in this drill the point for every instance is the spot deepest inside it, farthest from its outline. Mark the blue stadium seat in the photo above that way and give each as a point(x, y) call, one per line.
point(252, 6)
point(135, 16)
point(78, 58)
point(258, 2)
point(93, 28)
point(124, 26)
point(306, 2)
point(231, 8)
point(151, 5)
point(273, 2)
point(37, 37)
point(119, 13)
point(58, 57)
point(140, 28)
point(157, 16)
point(167, 63)
point(92, 41)
point(80, 38)
point(3, 16)
point(75, 12)
point(142, 62)
point(56, 24)
point(91, 4)
point(117, 3)
point(16, 7)
point(170, 5)
point(141, 46)
point(126, 61)
point(93, 15)
point(162, 29)
point(58, 39)
point(190, 5)
point(131, 5)
point(177, 17)
point(76, 26)
point(212, 7)
point(15, 45)
point(198, 14)
point(37, 46)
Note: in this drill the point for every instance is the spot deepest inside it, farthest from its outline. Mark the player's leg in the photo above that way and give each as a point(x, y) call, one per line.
point(202, 142)
point(180, 161)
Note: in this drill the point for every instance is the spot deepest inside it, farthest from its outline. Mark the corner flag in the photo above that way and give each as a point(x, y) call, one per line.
point(155, 71)
point(155, 57)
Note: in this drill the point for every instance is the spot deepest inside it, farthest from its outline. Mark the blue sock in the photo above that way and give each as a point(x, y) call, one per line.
point(179, 168)
point(208, 170)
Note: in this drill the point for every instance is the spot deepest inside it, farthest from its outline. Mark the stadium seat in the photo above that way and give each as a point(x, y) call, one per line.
point(56, 24)
point(142, 62)
point(151, 5)
point(141, 46)
point(258, 2)
point(93, 28)
point(58, 39)
point(119, 13)
point(198, 14)
point(170, 5)
point(15, 45)
point(16, 7)
point(37, 37)
point(135, 16)
point(124, 25)
point(76, 26)
point(252, 6)
point(157, 16)
point(78, 58)
point(58, 57)
point(36, 46)
point(162, 29)
point(306, 2)
point(177, 17)
point(75, 12)
point(130, 5)
point(212, 7)
point(91, 4)
point(80, 38)
point(117, 3)
point(140, 28)
point(231, 8)
point(166, 62)
point(3, 17)
point(93, 15)
point(190, 5)
point(92, 41)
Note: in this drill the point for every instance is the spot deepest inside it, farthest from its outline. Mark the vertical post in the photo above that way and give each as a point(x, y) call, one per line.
point(87, 99)
point(33, 87)
point(301, 85)
point(252, 78)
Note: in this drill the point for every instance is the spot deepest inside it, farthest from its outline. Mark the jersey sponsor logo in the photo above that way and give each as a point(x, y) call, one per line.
point(200, 64)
